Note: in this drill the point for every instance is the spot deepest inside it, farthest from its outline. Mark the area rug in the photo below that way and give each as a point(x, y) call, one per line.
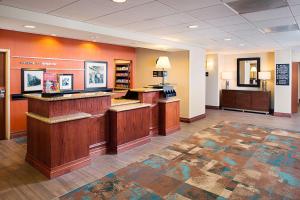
point(227, 161)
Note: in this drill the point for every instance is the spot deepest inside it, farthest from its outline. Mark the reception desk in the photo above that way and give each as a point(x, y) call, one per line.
point(64, 132)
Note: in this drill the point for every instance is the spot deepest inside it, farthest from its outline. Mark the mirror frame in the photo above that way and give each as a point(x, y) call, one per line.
point(238, 72)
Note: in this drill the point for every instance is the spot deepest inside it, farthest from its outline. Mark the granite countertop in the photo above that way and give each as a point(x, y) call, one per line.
point(119, 102)
point(146, 90)
point(129, 107)
point(59, 119)
point(168, 100)
point(69, 96)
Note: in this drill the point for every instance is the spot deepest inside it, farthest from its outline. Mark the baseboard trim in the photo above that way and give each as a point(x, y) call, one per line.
point(212, 107)
point(18, 134)
point(193, 119)
point(59, 170)
point(278, 114)
point(129, 145)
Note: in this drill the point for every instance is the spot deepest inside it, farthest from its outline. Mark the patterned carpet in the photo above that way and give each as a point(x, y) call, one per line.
point(227, 161)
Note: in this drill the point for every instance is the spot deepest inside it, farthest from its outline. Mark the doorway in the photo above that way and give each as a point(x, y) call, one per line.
point(295, 84)
point(4, 94)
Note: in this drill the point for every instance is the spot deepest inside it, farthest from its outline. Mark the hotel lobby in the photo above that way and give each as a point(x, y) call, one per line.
point(149, 99)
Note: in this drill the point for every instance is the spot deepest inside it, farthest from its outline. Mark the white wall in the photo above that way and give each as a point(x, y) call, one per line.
point(283, 94)
point(228, 63)
point(197, 82)
point(212, 81)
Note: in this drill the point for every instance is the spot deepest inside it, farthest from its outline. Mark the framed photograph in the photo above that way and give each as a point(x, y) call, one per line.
point(32, 80)
point(65, 82)
point(95, 75)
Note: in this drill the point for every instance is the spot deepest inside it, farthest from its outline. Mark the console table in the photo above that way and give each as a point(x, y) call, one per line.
point(245, 100)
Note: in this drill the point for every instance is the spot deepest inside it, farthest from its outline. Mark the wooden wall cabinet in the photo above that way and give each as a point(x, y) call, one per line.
point(258, 101)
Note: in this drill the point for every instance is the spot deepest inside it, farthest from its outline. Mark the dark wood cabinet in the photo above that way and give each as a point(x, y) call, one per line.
point(259, 101)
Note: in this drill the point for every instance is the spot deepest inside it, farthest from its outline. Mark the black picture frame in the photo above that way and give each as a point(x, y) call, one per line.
point(72, 82)
point(95, 86)
point(239, 84)
point(24, 89)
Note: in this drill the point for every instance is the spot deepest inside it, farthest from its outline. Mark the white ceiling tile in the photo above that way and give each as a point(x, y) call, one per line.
point(237, 27)
point(176, 19)
point(144, 25)
point(89, 9)
point(295, 10)
point(212, 12)
point(184, 5)
point(269, 14)
point(235, 19)
point(294, 2)
point(275, 22)
point(37, 5)
point(139, 13)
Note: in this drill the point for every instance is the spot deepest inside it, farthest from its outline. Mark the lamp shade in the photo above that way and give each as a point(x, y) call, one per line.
point(264, 75)
point(253, 69)
point(163, 62)
point(227, 75)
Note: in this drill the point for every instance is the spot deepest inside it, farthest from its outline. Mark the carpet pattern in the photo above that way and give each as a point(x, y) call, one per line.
point(227, 161)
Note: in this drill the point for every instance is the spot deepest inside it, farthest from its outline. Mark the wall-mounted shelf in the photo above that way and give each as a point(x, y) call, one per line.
point(123, 74)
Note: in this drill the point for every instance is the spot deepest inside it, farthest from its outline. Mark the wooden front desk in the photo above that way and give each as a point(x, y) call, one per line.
point(63, 131)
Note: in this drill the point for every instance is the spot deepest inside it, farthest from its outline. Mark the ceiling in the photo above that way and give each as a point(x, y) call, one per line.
point(220, 28)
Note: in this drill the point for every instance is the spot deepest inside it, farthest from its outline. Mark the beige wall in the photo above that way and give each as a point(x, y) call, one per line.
point(212, 81)
point(229, 64)
point(177, 75)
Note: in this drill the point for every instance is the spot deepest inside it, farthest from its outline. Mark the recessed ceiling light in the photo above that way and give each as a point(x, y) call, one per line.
point(193, 26)
point(119, 1)
point(227, 39)
point(53, 35)
point(29, 26)
point(242, 45)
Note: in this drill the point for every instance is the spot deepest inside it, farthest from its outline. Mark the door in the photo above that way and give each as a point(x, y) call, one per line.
point(2, 96)
point(295, 87)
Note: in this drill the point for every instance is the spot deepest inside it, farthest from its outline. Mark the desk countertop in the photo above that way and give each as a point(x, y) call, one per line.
point(129, 107)
point(69, 96)
point(120, 102)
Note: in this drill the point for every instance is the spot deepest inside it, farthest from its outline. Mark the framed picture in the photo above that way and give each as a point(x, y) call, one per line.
point(95, 75)
point(32, 80)
point(65, 82)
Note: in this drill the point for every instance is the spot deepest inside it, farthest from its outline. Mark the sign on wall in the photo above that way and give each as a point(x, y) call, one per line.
point(282, 74)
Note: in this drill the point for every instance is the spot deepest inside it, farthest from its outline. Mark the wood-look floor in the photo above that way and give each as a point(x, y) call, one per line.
point(18, 180)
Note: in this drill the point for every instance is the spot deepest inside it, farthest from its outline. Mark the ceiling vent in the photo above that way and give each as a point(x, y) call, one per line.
point(279, 29)
point(250, 6)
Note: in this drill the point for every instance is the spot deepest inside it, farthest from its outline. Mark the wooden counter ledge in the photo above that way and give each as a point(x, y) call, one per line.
point(120, 102)
point(69, 96)
point(169, 100)
point(59, 119)
point(128, 107)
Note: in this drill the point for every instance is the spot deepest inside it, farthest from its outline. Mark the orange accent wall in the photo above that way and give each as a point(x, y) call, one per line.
point(33, 45)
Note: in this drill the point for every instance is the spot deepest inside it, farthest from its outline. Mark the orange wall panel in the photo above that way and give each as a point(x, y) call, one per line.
point(33, 45)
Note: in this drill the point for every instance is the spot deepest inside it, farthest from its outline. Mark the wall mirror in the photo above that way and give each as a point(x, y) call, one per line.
point(247, 72)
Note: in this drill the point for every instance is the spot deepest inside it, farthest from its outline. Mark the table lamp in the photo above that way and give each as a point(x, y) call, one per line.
point(163, 63)
point(264, 76)
point(227, 76)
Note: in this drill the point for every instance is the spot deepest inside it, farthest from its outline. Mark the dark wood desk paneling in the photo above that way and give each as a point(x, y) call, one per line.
point(169, 117)
point(56, 149)
point(128, 129)
point(152, 98)
point(246, 100)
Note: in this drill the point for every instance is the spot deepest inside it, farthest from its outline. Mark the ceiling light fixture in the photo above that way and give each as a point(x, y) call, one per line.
point(29, 26)
point(53, 35)
point(227, 39)
point(119, 1)
point(242, 45)
point(193, 26)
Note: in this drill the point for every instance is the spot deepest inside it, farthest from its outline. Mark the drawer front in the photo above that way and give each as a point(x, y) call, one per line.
point(243, 100)
point(228, 98)
point(260, 101)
